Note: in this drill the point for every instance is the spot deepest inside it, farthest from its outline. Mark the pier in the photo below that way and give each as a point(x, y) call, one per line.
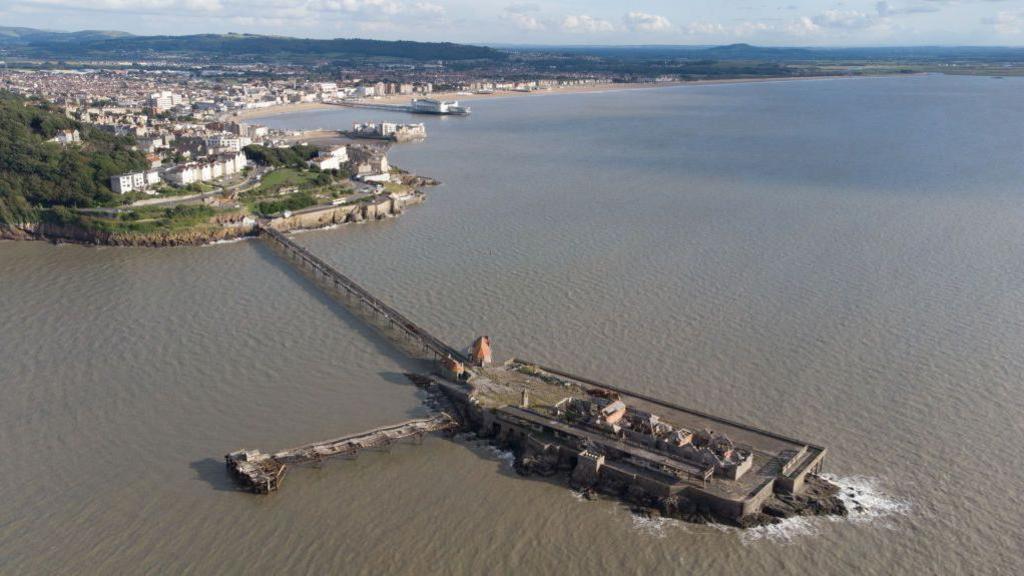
point(263, 473)
point(603, 438)
point(326, 273)
point(372, 106)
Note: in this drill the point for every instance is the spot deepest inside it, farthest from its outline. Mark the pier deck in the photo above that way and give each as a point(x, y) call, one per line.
point(263, 473)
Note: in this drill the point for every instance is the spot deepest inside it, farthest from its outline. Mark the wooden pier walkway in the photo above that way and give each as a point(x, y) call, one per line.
point(377, 438)
point(263, 473)
point(327, 273)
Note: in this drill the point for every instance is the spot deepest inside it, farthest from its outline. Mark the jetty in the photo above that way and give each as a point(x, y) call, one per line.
point(602, 438)
point(263, 473)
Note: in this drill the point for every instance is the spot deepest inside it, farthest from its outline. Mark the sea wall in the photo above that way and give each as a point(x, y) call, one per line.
point(226, 228)
point(81, 235)
point(320, 217)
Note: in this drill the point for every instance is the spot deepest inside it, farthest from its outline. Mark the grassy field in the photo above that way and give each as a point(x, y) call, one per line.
point(154, 219)
point(285, 177)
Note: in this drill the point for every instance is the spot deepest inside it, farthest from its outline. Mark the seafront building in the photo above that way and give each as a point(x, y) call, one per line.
point(330, 159)
point(388, 131)
point(135, 182)
point(205, 170)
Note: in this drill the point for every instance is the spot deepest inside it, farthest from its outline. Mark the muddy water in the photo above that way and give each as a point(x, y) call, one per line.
point(835, 260)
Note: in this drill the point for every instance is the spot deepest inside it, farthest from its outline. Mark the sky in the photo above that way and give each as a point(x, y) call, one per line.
point(608, 22)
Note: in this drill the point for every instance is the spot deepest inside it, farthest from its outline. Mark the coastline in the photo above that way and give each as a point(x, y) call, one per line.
point(590, 88)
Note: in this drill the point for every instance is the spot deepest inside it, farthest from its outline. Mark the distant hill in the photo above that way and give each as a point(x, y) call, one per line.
point(100, 44)
point(22, 36)
point(748, 52)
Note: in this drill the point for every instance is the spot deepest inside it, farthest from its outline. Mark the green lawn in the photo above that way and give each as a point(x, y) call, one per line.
point(283, 177)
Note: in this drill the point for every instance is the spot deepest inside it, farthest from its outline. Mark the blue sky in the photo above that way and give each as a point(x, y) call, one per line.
point(765, 22)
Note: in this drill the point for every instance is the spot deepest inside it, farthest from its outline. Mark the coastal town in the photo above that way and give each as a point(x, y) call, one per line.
point(199, 133)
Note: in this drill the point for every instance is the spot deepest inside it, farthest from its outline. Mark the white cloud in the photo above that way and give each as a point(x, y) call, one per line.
point(885, 9)
point(845, 19)
point(644, 22)
point(428, 8)
point(585, 24)
point(705, 28)
point(1007, 22)
point(524, 21)
point(520, 15)
point(802, 26)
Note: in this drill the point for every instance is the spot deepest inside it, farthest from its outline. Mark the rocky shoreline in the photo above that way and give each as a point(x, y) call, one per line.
point(220, 230)
point(61, 234)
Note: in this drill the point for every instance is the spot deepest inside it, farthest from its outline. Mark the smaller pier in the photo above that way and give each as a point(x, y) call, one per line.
point(263, 473)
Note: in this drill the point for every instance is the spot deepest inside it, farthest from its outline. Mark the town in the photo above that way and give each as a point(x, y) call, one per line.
point(200, 146)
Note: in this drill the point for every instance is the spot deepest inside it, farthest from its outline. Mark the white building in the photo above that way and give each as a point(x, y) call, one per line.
point(218, 167)
point(227, 143)
point(164, 100)
point(134, 181)
point(339, 152)
point(330, 159)
point(327, 162)
point(65, 137)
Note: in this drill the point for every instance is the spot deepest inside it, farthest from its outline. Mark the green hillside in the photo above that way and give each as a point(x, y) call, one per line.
point(38, 174)
point(93, 44)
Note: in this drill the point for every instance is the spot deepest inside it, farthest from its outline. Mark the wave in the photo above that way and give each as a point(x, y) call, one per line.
point(865, 500)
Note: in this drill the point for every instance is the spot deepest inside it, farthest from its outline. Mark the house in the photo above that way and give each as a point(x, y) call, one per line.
point(65, 137)
point(210, 169)
point(134, 182)
point(330, 159)
point(326, 162)
point(374, 169)
point(227, 143)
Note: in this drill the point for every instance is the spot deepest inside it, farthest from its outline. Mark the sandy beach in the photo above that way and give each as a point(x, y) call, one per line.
point(462, 96)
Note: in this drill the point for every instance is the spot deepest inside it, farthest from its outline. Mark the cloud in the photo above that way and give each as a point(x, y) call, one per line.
point(1007, 22)
point(644, 22)
point(524, 21)
point(522, 7)
point(520, 15)
point(585, 24)
point(844, 19)
point(802, 27)
point(886, 9)
point(428, 8)
point(704, 28)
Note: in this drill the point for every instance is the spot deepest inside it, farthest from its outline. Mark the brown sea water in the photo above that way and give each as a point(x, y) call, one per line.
point(837, 260)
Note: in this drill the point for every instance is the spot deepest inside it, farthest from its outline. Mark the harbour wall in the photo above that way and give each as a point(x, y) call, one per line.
point(321, 217)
